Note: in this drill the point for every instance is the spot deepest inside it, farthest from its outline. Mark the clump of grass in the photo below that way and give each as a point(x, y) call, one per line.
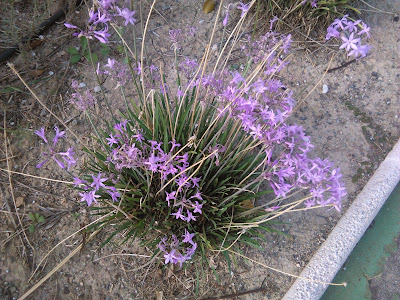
point(305, 16)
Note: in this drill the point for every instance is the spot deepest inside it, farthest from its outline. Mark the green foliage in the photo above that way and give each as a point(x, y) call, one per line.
point(36, 219)
point(85, 52)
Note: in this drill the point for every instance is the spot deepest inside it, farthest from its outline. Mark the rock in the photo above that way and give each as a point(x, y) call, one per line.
point(325, 89)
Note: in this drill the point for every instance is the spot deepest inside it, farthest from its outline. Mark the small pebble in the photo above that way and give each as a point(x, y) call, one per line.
point(81, 85)
point(325, 89)
point(51, 73)
point(97, 89)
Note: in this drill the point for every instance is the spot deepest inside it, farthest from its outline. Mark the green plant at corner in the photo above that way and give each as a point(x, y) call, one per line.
point(36, 219)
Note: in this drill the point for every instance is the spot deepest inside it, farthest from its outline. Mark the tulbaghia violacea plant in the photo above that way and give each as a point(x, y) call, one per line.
point(203, 165)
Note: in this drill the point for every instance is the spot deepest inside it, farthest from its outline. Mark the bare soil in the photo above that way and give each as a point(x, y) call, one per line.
point(355, 124)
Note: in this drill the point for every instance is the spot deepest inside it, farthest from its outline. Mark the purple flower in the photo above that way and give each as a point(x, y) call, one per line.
point(178, 214)
point(42, 134)
point(170, 196)
point(365, 30)
point(197, 207)
point(106, 4)
point(352, 26)
point(68, 156)
point(127, 15)
point(332, 32)
point(102, 35)
point(152, 163)
point(340, 23)
point(244, 8)
point(195, 182)
point(98, 181)
point(112, 140)
point(78, 181)
point(59, 134)
point(110, 63)
point(82, 101)
point(92, 16)
point(349, 43)
point(175, 35)
point(197, 195)
point(190, 251)
point(225, 21)
point(89, 197)
point(170, 257)
point(114, 195)
point(60, 164)
point(190, 216)
point(361, 51)
point(191, 31)
point(52, 154)
point(187, 237)
point(70, 26)
point(101, 18)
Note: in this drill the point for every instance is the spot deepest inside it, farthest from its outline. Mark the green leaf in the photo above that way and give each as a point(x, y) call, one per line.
point(92, 58)
point(31, 228)
point(10, 89)
point(72, 50)
point(105, 51)
point(84, 43)
point(75, 58)
point(31, 216)
point(40, 219)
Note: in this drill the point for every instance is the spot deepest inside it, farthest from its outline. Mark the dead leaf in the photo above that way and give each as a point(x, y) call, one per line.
point(37, 72)
point(247, 204)
point(209, 6)
point(19, 201)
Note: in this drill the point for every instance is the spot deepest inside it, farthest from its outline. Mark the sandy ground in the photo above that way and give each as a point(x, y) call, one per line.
point(354, 124)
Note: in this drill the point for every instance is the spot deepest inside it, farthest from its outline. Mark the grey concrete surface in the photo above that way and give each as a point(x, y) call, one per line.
point(334, 251)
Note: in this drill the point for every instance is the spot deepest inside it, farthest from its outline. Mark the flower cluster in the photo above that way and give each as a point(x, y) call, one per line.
point(67, 156)
point(98, 20)
point(93, 189)
point(82, 101)
point(133, 151)
point(352, 35)
point(117, 71)
point(262, 107)
point(175, 252)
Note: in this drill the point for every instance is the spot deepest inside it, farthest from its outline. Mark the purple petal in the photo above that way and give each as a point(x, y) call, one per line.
point(70, 25)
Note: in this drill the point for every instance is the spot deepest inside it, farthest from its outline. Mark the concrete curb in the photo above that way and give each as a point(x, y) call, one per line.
point(330, 257)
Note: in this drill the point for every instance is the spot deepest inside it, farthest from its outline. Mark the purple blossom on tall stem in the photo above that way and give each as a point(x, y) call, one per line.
point(127, 15)
point(244, 8)
point(52, 153)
